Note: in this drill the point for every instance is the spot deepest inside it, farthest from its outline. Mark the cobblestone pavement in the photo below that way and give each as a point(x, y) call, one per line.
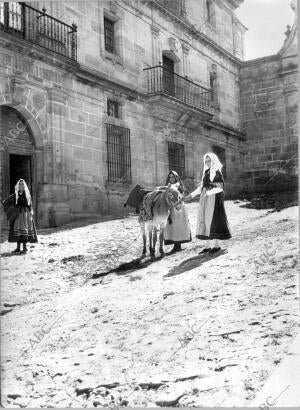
point(86, 323)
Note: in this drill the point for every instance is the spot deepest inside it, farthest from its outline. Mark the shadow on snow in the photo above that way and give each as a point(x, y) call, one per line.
point(193, 263)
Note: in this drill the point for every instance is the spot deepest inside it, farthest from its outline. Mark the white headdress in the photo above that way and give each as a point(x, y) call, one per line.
point(214, 167)
point(27, 193)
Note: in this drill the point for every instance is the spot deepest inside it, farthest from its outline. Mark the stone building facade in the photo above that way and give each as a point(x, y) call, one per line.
point(269, 107)
point(97, 96)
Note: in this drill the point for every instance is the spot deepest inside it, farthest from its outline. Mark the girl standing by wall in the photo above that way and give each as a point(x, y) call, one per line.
point(22, 229)
point(212, 224)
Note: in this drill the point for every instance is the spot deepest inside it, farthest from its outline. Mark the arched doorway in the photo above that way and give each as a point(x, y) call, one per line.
point(17, 154)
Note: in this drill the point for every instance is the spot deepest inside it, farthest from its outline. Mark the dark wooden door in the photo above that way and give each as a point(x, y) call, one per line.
point(168, 76)
point(20, 168)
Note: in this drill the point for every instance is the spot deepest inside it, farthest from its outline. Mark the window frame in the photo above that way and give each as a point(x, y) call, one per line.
point(118, 154)
point(112, 48)
point(7, 14)
point(115, 104)
point(179, 164)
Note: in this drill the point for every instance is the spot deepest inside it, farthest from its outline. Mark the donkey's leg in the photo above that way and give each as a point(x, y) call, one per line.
point(154, 239)
point(161, 239)
point(150, 228)
point(143, 229)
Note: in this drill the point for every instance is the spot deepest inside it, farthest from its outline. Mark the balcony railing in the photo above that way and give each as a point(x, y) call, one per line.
point(176, 7)
point(163, 81)
point(39, 28)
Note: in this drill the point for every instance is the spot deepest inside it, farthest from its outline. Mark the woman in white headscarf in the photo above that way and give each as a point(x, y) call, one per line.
point(22, 229)
point(177, 229)
point(212, 224)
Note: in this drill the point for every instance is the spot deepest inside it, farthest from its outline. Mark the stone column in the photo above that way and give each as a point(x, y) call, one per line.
point(185, 59)
point(56, 110)
point(156, 52)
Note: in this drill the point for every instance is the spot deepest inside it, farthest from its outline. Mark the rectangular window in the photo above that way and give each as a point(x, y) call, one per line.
point(113, 108)
point(208, 10)
point(12, 16)
point(118, 154)
point(210, 13)
point(176, 7)
point(109, 35)
point(176, 158)
point(168, 76)
point(2, 13)
point(220, 152)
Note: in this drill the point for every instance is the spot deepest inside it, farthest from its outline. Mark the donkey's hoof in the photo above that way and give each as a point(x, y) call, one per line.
point(144, 255)
point(162, 253)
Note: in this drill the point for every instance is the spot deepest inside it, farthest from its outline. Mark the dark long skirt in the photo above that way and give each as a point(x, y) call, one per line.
point(23, 228)
point(212, 219)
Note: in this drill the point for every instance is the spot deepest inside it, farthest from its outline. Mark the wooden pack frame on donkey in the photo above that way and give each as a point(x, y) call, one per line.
point(10, 210)
point(154, 209)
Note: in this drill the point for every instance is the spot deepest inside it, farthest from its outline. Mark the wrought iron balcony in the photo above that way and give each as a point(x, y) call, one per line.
point(39, 28)
point(163, 81)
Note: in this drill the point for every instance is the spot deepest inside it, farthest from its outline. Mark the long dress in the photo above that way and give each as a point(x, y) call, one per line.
point(177, 228)
point(23, 227)
point(212, 220)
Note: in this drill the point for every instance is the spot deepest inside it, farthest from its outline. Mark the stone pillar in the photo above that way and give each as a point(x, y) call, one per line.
point(57, 111)
point(185, 60)
point(156, 52)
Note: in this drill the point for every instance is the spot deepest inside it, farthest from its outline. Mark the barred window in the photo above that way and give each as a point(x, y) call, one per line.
point(109, 35)
point(220, 152)
point(118, 154)
point(176, 7)
point(176, 158)
point(113, 108)
point(12, 15)
point(208, 10)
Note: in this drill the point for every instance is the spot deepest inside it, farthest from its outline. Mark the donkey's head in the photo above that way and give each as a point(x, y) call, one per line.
point(174, 197)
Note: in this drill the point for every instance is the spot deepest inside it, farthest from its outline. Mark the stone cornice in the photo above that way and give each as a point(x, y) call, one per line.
point(226, 129)
point(200, 36)
point(92, 76)
point(272, 57)
point(34, 51)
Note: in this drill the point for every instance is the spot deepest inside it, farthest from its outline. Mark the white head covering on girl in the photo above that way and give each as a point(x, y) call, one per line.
point(26, 190)
point(214, 167)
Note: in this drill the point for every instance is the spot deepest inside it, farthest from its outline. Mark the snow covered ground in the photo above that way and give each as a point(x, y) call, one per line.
point(85, 323)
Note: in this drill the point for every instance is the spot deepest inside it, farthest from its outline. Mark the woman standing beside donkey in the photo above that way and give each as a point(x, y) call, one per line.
point(18, 208)
point(212, 224)
point(177, 229)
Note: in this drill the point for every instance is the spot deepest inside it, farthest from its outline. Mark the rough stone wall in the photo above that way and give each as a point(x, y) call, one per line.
point(269, 108)
point(223, 27)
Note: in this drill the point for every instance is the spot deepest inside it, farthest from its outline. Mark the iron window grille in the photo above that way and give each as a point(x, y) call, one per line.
point(176, 7)
point(176, 158)
point(118, 154)
point(109, 35)
point(12, 17)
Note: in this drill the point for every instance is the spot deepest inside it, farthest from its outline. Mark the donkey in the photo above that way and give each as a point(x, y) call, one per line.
point(154, 212)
